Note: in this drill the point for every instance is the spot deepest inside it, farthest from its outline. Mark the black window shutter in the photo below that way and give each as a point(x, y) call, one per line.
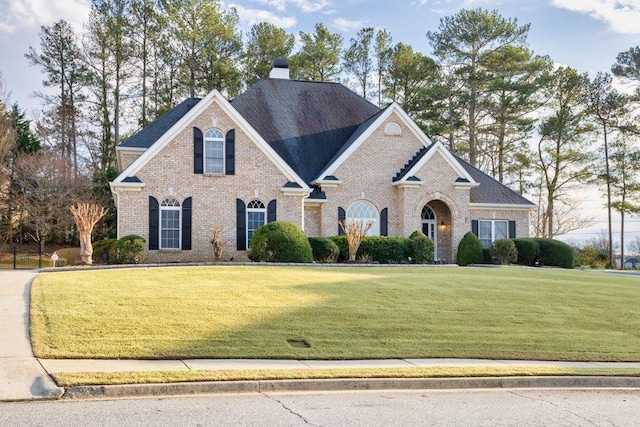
point(512, 229)
point(241, 225)
point(186, 224)
point(154, 224)
point(230, 162)
point(271, 211)
point(342, 215)
point(474, 226)
point(384, 222)
point(198, 151)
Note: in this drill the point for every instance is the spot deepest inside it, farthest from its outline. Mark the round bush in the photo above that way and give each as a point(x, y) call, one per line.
point(280, 242)
point(416, 234)
point(423, 249)
point(130, 249)
point(470, 250)
point(505, 250)
point(324, 249)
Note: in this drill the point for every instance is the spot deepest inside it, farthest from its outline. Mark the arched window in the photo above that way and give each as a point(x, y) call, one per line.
point(170, 224)
point(429, 226)
point(364, 211)
point(256, 216)
point(214, 152)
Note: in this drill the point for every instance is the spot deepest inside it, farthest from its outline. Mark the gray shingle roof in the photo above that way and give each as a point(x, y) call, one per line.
point(310, 124)
point(306, 123)
point(150, 134)
point(490, 190)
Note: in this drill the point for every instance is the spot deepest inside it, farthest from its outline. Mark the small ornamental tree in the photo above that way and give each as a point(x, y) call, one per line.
point(470, 250)
point(355, 230)
point(217, 242)
point(86, 216)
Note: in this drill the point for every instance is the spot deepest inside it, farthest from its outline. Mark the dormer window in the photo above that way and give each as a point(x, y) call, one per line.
point(214, 152)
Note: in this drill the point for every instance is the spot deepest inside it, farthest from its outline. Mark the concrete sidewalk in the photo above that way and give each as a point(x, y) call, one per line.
point(22, 377)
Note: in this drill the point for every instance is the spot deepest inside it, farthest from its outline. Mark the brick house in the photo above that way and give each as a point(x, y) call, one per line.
point(306, 152)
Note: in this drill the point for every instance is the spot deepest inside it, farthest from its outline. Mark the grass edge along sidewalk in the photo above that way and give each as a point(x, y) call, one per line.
point(326, 313)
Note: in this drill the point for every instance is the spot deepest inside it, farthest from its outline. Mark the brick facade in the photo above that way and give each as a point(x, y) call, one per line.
point(366, 174)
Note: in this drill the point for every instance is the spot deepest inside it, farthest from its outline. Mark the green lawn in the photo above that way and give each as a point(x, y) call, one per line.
point(341, 313)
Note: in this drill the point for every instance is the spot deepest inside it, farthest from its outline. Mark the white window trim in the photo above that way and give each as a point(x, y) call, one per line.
point(160, 228)
point(253, 210)
point(211, 140)
point(493, 229)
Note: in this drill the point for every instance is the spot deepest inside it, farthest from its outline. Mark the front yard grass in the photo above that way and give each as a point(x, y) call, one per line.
point(336, 313)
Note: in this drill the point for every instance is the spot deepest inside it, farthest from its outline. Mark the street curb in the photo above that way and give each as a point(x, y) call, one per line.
point(266, 386)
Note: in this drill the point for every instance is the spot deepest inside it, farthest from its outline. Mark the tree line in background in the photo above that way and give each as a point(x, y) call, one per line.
point(543, 130)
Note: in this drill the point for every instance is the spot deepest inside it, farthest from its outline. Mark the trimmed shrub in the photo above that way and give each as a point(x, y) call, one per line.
point(280, 241)
point(130, 249)
point(324, 249)
point(343, 246)
point(555, 253)
point(470, 250)
point(422, 249)
point(385, 250)
point(528, 250)
point(505, 250)
point(416, 234)
point(100, 247)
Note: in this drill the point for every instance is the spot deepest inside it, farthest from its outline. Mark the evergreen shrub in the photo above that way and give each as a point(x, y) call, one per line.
point(324, 249)
point(470, 250)
point(280, 241)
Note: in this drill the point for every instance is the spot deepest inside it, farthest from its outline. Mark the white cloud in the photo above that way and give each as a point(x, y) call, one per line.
point(17, 14)
point(307, 6)
point(255, 16)
point(347, 25)
point(621, 15)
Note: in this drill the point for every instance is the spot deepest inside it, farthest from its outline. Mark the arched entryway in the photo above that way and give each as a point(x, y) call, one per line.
point(437, 225)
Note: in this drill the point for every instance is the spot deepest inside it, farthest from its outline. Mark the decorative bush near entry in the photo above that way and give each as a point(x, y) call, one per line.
point(470, 250)
point(280, 241)
point(422, 249)
point(505, 250)
point(324, 249)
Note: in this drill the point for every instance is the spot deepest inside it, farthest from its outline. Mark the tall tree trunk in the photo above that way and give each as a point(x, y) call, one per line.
point(608, 177)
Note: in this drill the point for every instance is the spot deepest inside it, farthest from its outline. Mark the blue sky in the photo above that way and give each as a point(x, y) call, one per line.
point(584, 34)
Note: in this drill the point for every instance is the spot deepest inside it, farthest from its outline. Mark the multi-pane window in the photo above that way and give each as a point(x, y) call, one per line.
point(256, 216)
point(170, 224)
point(488, 231)
point(214, 152)
point(363, 212)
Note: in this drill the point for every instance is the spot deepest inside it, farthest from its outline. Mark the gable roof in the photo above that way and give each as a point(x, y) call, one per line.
point(214, 97)
point(491, 191)
point(306, 123)
point(154, 131)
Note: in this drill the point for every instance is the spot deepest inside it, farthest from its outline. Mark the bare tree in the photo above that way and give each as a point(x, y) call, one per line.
point(86, 216)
